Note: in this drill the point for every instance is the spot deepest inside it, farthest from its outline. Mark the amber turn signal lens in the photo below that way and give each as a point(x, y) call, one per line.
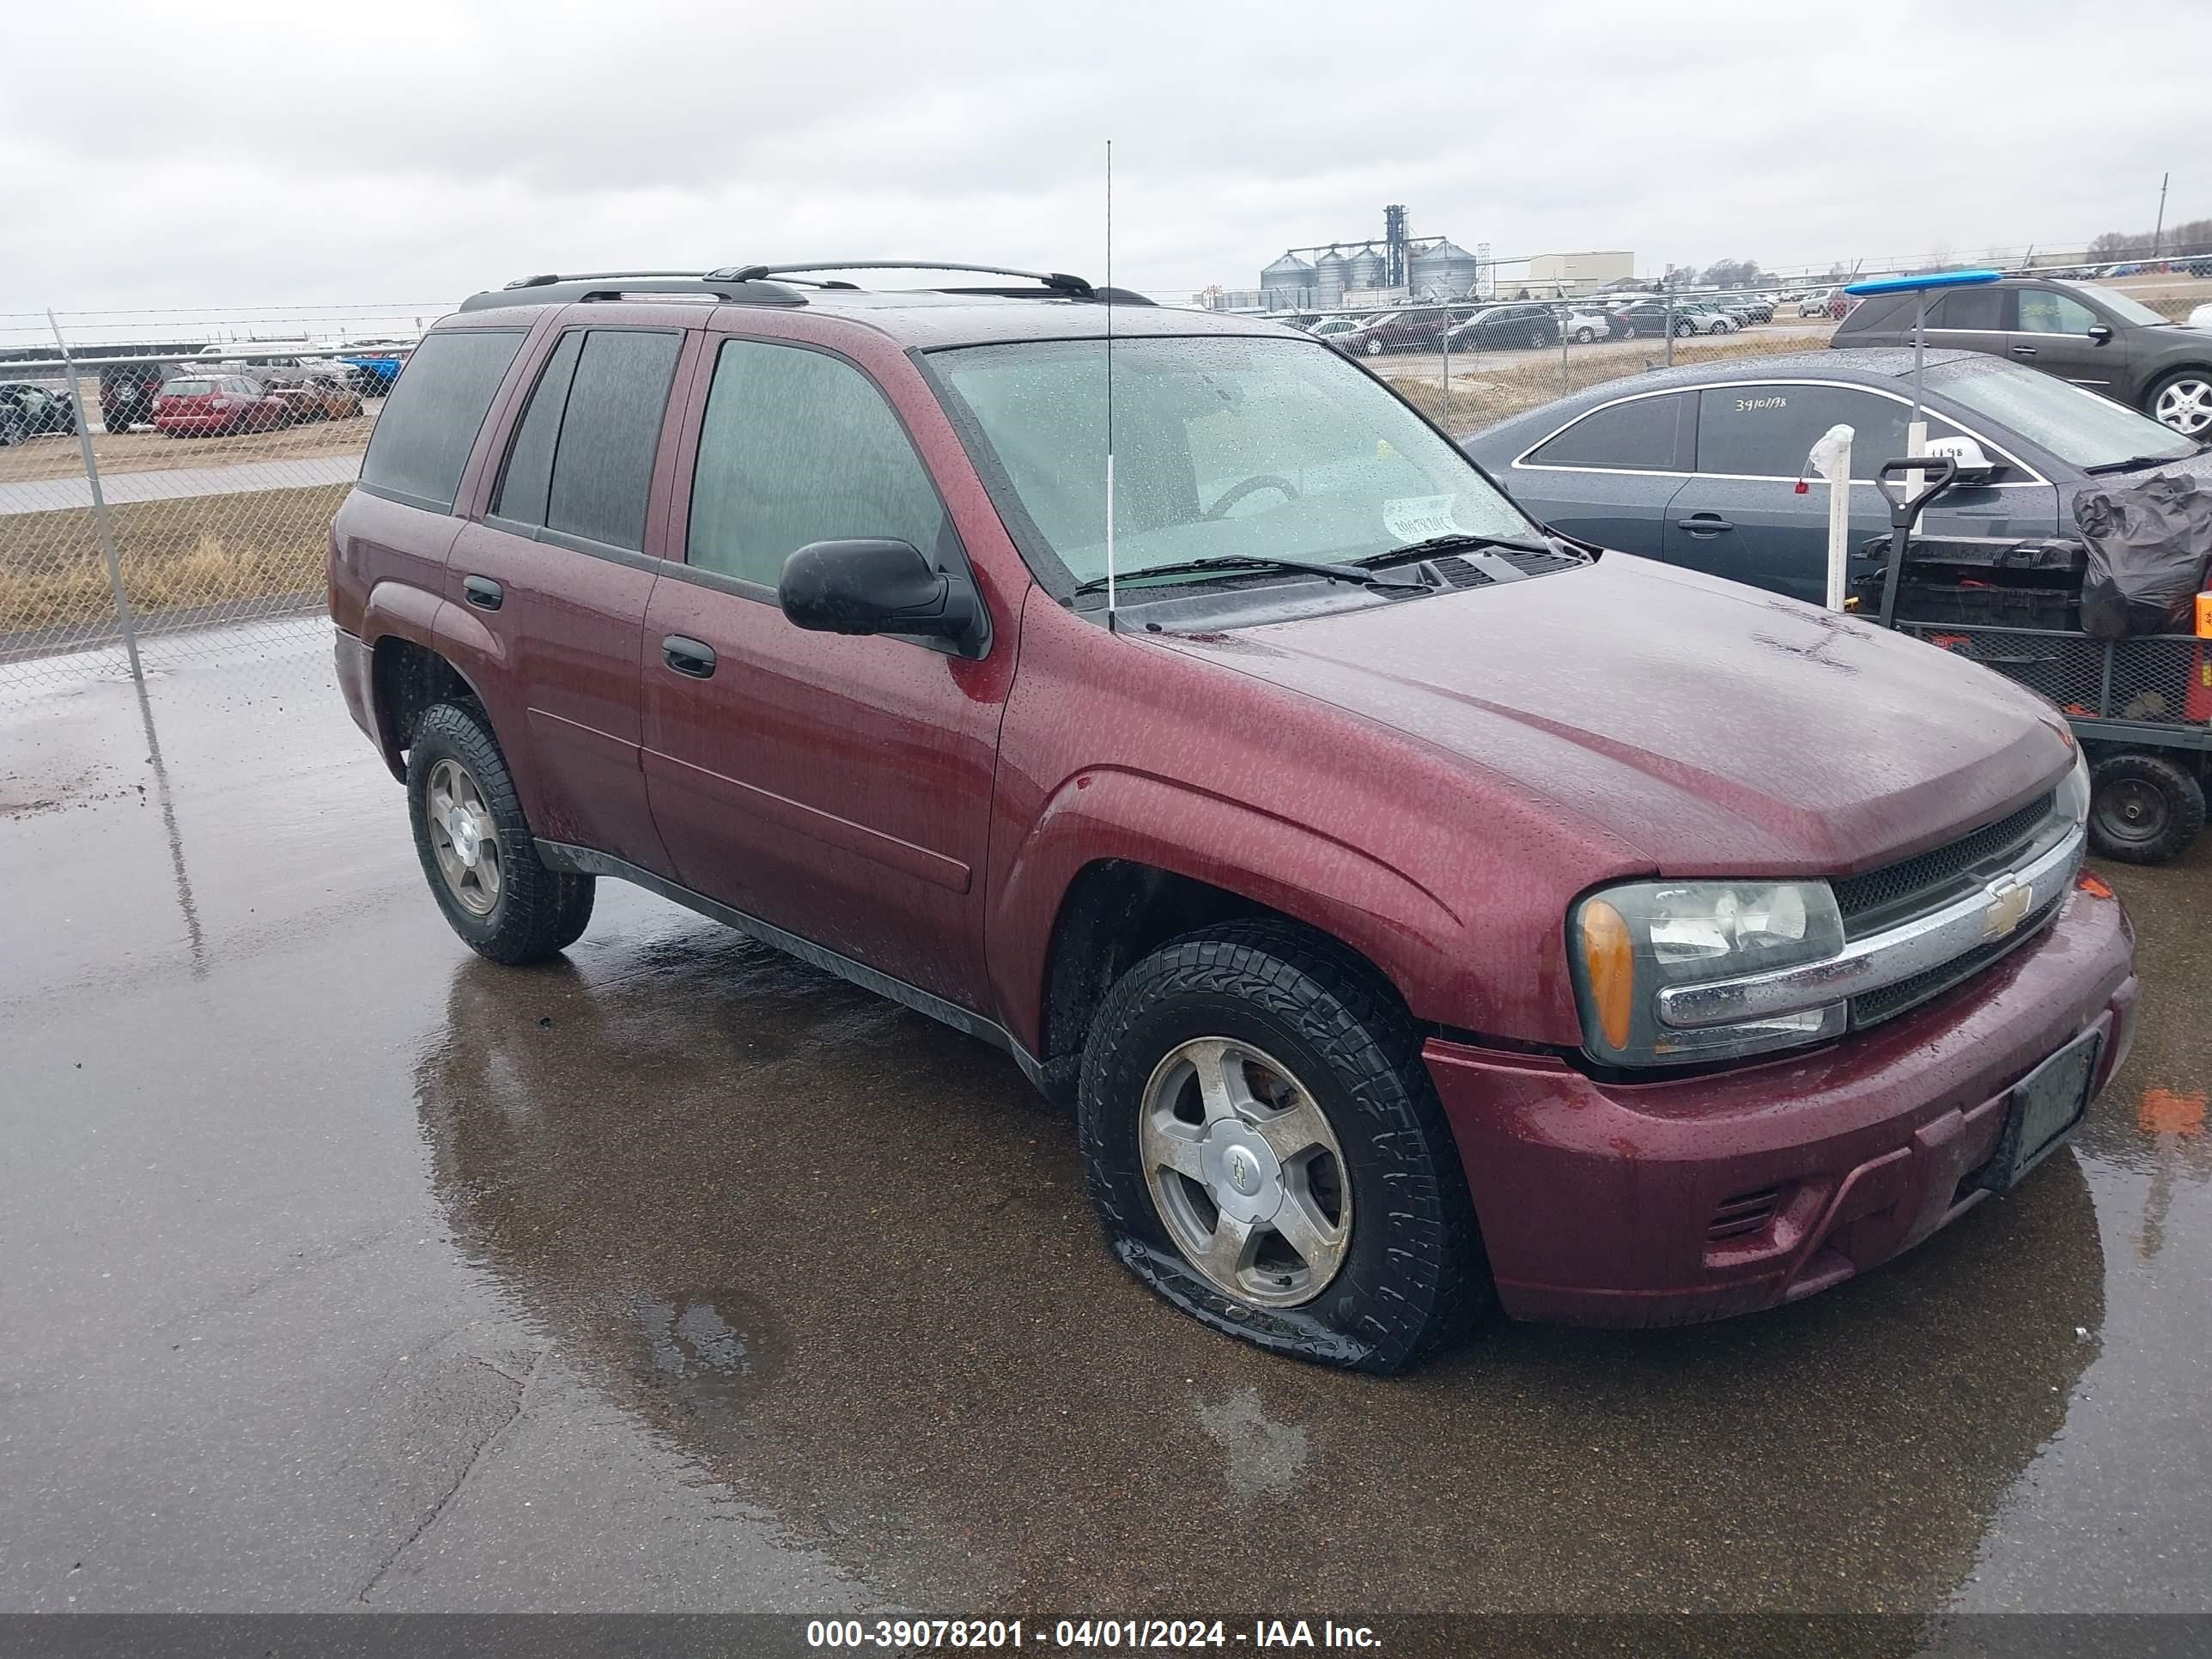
point(1609, 962)
point(2093, 885)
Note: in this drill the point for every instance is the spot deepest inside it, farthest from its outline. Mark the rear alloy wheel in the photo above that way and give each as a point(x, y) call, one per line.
point(1584, 336)
point(1536, 341)
point(1373, 347)
point(477, 850)
point(1684, 328)
point(2184, 402)
point(2143, 809)
point(1265, 1150)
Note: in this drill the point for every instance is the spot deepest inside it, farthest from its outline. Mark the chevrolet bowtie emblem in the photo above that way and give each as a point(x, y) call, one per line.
point(2008, 903)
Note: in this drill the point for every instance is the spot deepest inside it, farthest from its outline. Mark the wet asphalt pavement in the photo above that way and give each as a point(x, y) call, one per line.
point(343, 1269)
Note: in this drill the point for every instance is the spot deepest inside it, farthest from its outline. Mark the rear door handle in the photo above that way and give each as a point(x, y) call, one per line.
point(483, 593)
point(2023, 351)
point(1703, 524)
point(688, 656)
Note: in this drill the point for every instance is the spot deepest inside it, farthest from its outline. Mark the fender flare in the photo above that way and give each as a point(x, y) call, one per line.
point(402, 610)
point(1409, 932)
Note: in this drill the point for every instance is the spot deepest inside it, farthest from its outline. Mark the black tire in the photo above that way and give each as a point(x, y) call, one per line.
point(1584, 336)
point(538, 912)
point(1412, 1274)
point(2143, 809)
point(1536, 340)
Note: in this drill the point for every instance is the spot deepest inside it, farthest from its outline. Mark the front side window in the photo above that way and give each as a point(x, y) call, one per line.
point(1223, 447)
point(2125, 306)
point(431, 419)
point(1769, 431)
point(800, 447)
point(2041, 311)
point(1639, 435)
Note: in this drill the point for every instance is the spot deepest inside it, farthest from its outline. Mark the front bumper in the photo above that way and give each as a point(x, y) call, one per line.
point(1606, 1203)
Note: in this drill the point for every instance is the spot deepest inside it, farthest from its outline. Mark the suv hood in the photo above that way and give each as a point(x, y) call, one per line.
point(1701, 726)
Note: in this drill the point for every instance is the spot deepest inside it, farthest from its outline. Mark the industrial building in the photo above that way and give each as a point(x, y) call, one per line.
point(1562, 276)
point(1354, 271)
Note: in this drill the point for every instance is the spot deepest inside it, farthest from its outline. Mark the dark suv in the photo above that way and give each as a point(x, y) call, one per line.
point(2094, 336)
point(1419, 910)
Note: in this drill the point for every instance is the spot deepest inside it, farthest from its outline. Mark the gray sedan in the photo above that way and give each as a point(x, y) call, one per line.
point(1699, 467)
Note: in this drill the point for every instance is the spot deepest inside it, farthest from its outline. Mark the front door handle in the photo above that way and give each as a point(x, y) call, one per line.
point(483, 593)
point(688, 656)
point(1703, 524)
point(2023, 351)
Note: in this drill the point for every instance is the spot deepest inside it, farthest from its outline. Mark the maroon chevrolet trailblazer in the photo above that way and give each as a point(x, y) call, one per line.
point(1422, 914)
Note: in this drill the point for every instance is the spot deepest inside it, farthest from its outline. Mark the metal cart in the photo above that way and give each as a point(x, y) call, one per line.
point(2141, 707)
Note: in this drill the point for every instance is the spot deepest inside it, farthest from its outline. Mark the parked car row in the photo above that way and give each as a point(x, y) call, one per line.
point(234, 400)
point(128, 390)
point(1531, 324)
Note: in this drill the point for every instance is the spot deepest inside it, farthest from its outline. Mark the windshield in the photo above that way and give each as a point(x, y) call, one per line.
point(1223, 448)
point(2125, 306)
point(2076, 425)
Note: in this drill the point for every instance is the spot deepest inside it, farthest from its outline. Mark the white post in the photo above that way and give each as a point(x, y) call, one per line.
point(1831, 458)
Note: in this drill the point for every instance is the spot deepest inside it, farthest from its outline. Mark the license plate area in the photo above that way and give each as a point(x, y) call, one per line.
point(2042, 1109)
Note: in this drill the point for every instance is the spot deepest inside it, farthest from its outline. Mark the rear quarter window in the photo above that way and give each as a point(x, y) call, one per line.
point(430, 421)
point(1878, 313)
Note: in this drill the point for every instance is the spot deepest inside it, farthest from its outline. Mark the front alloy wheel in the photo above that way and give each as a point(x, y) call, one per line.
point(1245, 1172)
point(1266, 1150)
point(2185, 402)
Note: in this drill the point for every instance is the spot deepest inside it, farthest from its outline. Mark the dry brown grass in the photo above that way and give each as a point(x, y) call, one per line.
point(202, 551)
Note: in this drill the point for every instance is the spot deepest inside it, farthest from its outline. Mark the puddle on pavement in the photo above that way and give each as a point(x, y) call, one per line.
point(921, 1356)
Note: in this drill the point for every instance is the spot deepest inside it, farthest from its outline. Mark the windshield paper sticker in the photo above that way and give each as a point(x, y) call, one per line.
point(1416, 518)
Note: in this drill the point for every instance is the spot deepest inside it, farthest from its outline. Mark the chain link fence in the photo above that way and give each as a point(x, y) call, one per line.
point(167, 478)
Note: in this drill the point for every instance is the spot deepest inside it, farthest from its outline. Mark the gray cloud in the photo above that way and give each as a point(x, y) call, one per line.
point(239, 152)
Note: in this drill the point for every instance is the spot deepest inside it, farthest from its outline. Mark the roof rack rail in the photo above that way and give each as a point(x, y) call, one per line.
point(591, 277)
point(1059, 281)
point(561, 289)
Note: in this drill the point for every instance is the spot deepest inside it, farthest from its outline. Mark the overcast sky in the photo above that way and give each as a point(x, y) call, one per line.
point(235, 153)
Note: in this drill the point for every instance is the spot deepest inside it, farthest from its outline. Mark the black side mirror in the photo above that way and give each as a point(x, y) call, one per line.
point(2100, 334)
point(877, 587)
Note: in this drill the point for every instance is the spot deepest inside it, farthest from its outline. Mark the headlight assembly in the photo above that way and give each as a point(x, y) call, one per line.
point(2074, 792)
point(1630, 943)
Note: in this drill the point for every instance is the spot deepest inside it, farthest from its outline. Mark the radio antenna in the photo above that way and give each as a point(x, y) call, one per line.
point(1110, 596)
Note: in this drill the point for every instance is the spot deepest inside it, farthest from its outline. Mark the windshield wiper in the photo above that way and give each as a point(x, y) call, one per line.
point(1453, 544)
point(1230, 563)
point(2135, 461)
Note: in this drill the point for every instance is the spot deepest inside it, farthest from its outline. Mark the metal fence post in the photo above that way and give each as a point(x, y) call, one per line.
point(1670, 328)
point(1447, 422)
point(1565, 317)
point(123, 616)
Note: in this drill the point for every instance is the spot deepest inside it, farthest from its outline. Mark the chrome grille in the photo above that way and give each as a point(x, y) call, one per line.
point(1892, 1000)
point(1879, 898)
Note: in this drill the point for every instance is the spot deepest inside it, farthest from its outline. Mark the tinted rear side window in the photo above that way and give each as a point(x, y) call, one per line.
point(1769, 431)
point(610, 430)
point(1643, 434)
point(529, 472)
point(1969, 308)
point(430, 421)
